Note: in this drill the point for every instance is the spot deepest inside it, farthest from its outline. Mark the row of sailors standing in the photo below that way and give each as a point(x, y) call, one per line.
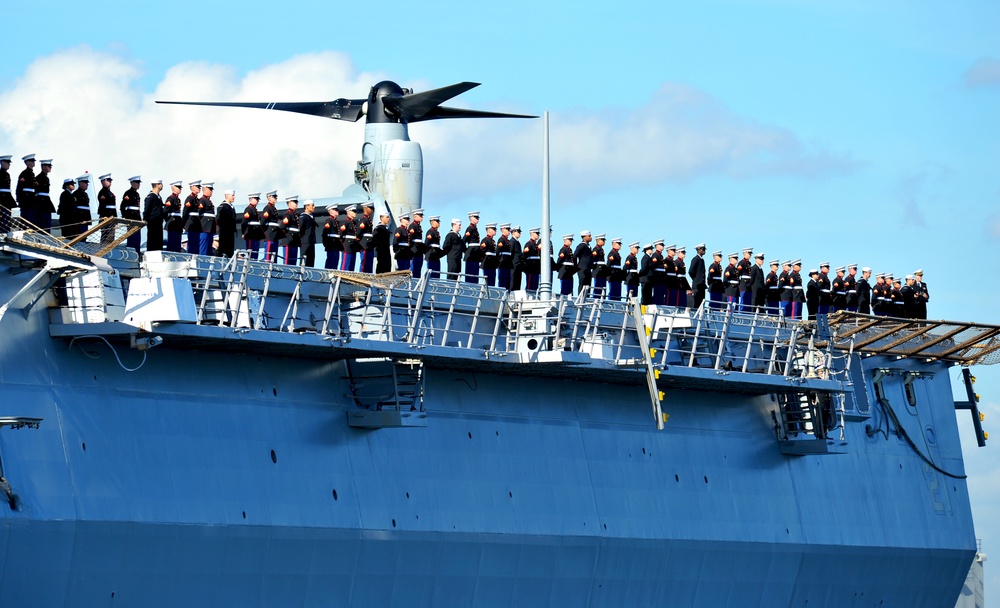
point(265, 229)
point(743, 287)
point(31, 192)
point(347, 234)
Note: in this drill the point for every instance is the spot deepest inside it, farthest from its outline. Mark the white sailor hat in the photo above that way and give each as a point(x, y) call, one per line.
point(504, 226)
point(47, 161)
point(84, 178)
point(294, 197)
point(568, 237)
point(584, 233)
point(617, 239)
point(647, 246)
point(6, 157)
point(813, 271)
point(195, 183)
point(454, 220)
point(308, 202)
point(353, 208)
point(909, 277)
point(209, 185)
point(760, 256)
point(384, 214)
point(434, 218)
point(748, 250)
point(734, 255)
point(657, 242)
point(255, 195)
point(138, 178)
point(28, 157)
point(474, 214)
point(273, 193)
point(156, 181)
point(106, 176)
point(491, 226)
point(68, 180)
point(178, 182)
point(419, 212)
point(866, 269)
point(797, 262)
point(919, 272)
point(671, 247)
point(824, 265)
point(601, 237)
point(633, 244)
point(515, 228)
point(700, 246)
point(774, 263)
point(230, 191)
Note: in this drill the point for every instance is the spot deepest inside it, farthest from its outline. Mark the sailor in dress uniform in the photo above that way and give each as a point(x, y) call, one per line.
point(331, 238)
point(153, 216)
point(566, 264)
point(25, 189)
point(614, 271)
point(271, 222)
point(600, 267)
point(532, 260)
point(131, 208)
point(173, 208)
point(491, 261)
point(206, 213)
point(290, 224)
point(67, 209)
point(348, 229)
point(7, 202)
point(226, 220)
point(250, 227)
point(415, 239)
point(473, 252)
point(432, 239)
point(43, 201)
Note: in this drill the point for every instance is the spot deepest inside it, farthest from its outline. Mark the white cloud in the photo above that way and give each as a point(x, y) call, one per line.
point(679, 135)
point(87, 110)
point(84, 108)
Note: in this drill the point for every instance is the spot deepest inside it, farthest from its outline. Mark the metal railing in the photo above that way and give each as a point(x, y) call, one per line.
point(247, 294)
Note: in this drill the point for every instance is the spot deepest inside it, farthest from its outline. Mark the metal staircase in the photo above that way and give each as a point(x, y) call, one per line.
point(804, 422)
point(387, 392)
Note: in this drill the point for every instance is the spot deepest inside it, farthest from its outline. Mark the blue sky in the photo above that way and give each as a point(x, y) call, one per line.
point(850, 131)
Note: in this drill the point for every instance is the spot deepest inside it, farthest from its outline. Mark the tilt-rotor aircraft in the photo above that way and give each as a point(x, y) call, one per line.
point(390, 171)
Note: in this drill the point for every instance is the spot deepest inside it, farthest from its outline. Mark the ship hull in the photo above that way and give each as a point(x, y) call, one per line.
point(235, 479)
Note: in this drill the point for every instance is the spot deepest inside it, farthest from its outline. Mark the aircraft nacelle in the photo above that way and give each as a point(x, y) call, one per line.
point(393, 167)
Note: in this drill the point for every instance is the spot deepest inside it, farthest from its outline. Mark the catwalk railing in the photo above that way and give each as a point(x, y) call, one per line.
point(514, 327)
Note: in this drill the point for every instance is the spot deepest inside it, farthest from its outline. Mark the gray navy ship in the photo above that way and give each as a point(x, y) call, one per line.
point(194, 430)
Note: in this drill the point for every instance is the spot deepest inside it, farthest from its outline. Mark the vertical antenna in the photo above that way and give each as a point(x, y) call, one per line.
point(545, 281)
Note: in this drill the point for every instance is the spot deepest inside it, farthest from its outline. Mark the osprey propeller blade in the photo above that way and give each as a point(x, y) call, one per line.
point(387, 103)
point(340, 109)
point(426, 105)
